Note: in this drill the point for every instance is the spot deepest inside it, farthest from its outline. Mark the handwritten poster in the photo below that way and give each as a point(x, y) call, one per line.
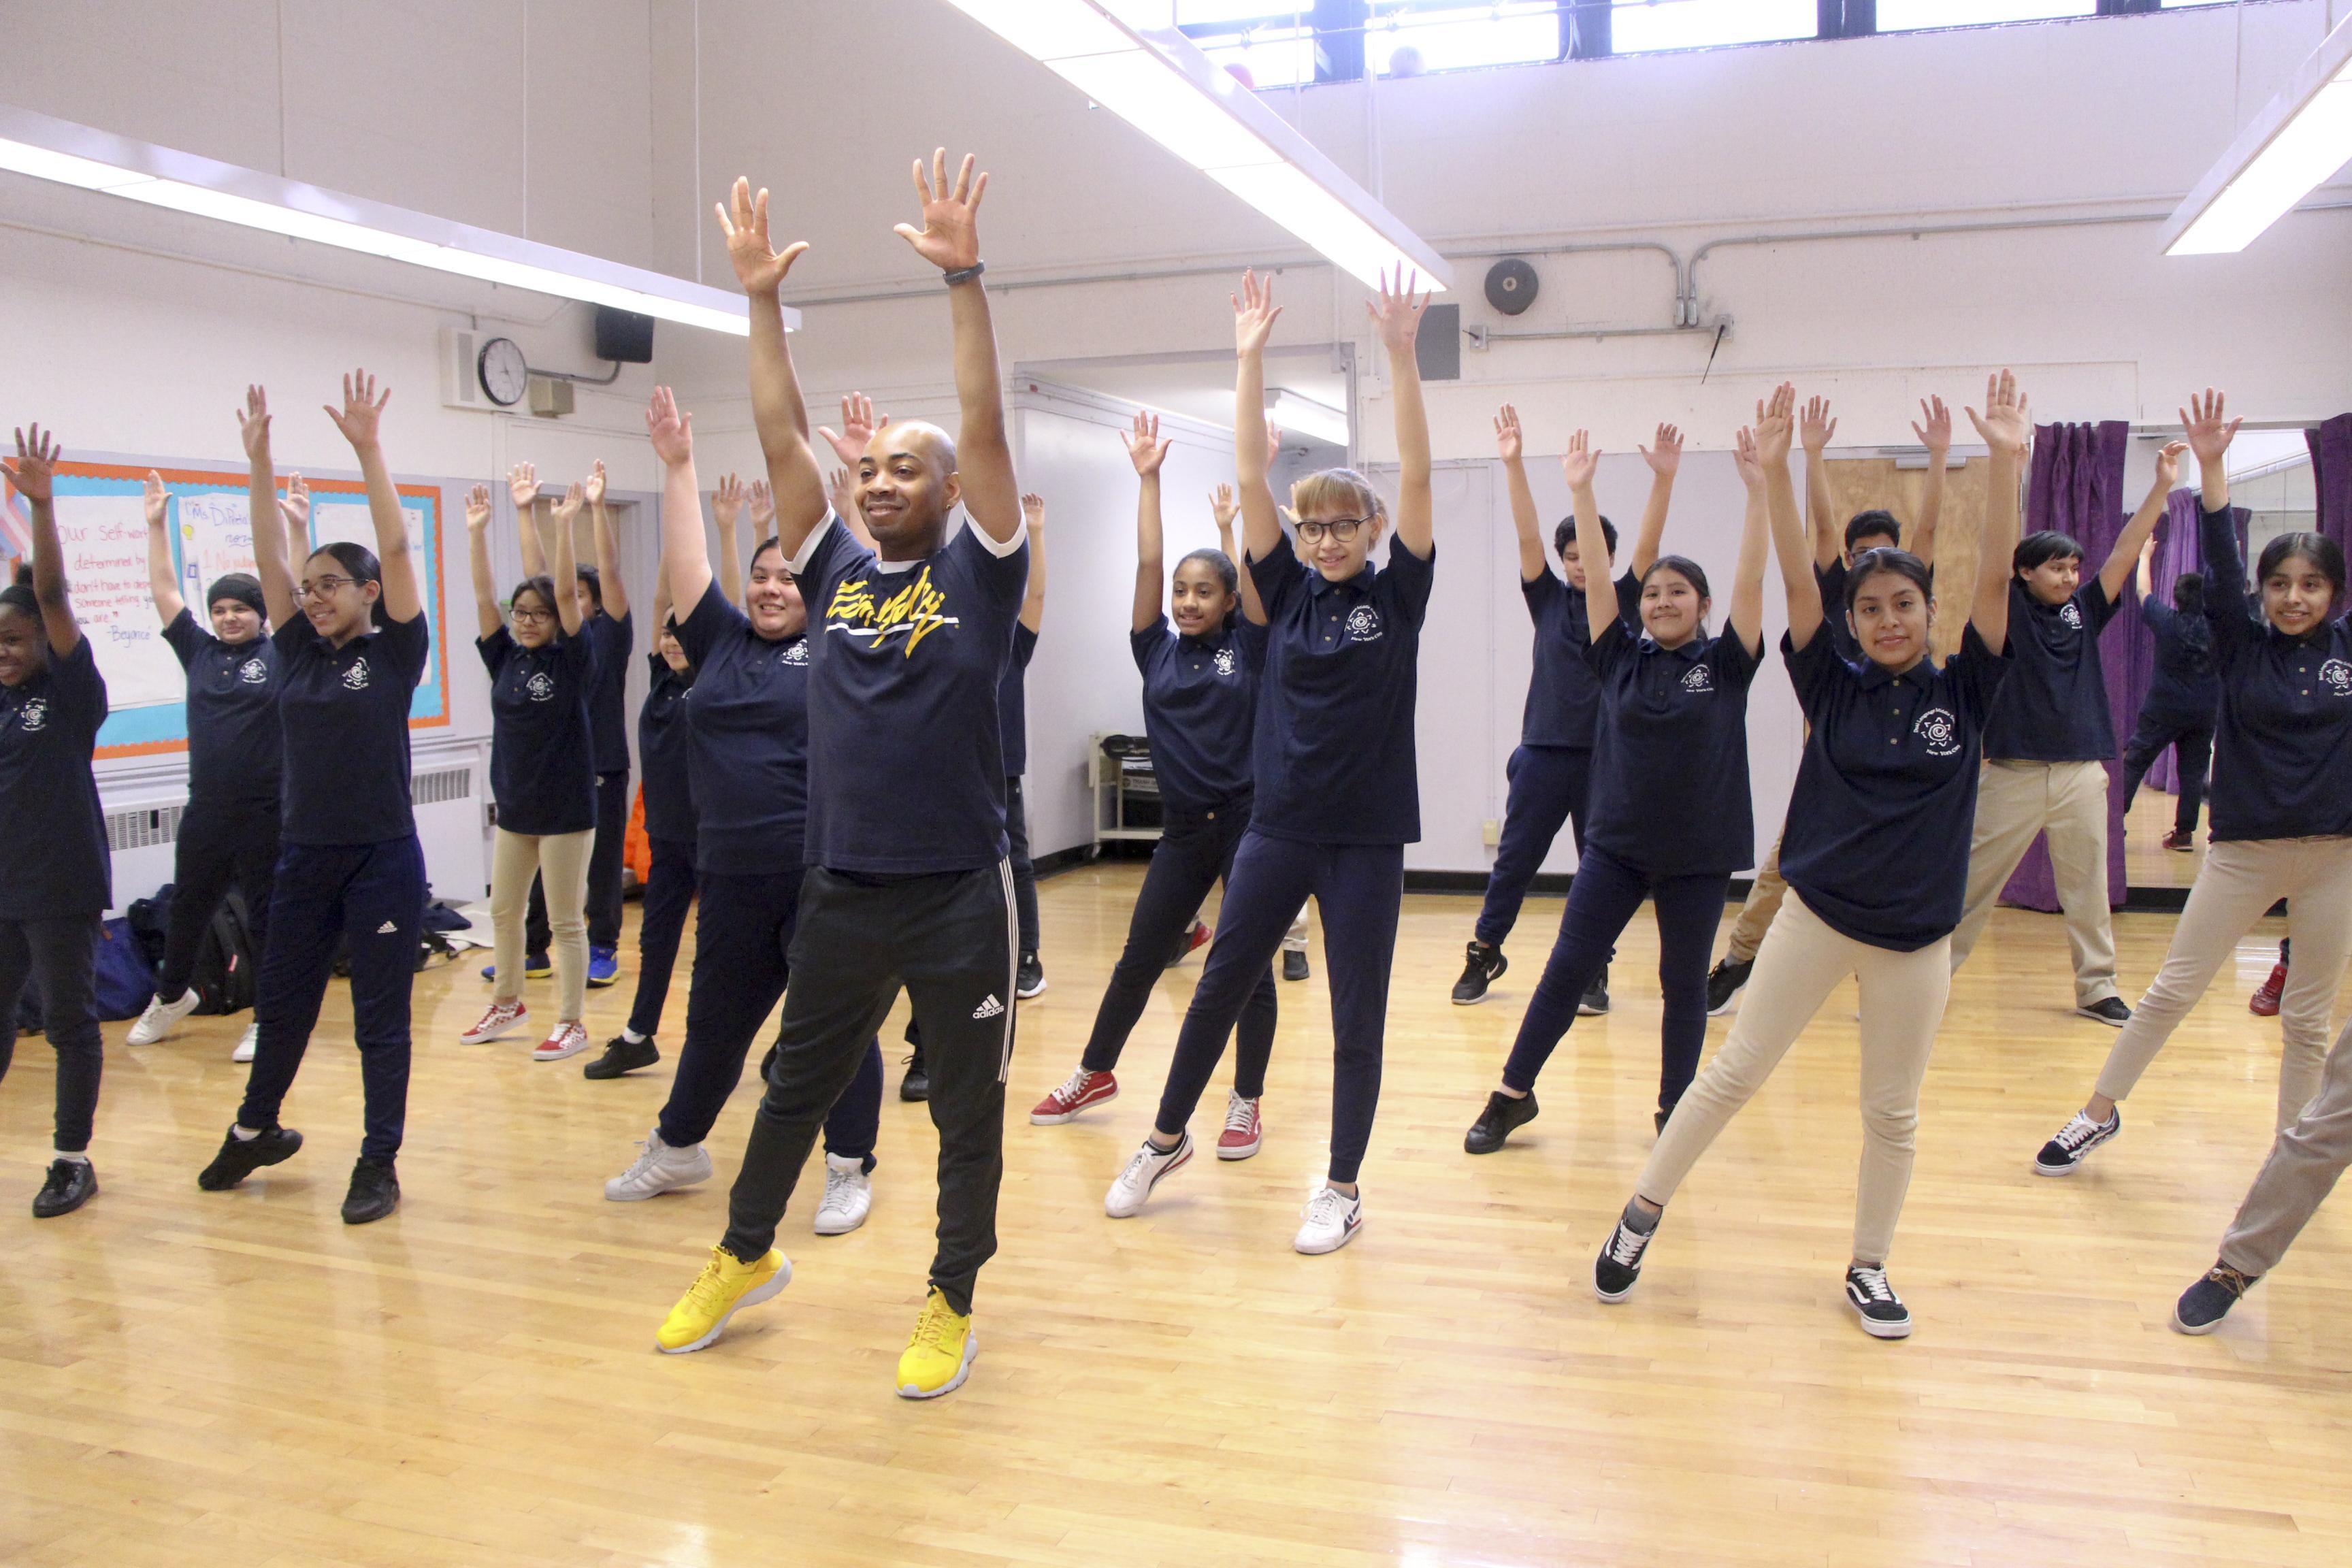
point(215, 535)
point(105, 540)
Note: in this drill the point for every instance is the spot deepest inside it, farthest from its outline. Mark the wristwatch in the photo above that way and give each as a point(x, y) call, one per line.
point(964, 274)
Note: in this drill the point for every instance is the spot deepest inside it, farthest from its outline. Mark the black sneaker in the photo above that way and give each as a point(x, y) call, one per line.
point(623, 1055)
point(1482, 966)
point(1029, 979)
point(374, 1191)
point(1595, 1000)
point(916, 1084)
point(71, 1184)
point(2064, 1153)
point(1293, 964)
point(1884, 1316)
point(2203, 1305)
point(1725, 982)
point(1620, 1263)
point(1496, 1123)
point(240, 1157)
point(2113, 1010)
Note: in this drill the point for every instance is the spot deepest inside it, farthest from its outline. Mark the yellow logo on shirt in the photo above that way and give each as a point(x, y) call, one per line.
point(912, 612)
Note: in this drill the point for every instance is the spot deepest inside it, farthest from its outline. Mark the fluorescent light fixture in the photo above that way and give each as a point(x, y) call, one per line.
point(1304, 416)
point(1128, 56)
point(61, 150)
point(2300, 138)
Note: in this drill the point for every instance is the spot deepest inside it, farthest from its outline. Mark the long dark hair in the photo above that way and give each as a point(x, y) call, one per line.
point(2317, 548)
point(1887, 558)
point(1220, 562)
point(361, 563)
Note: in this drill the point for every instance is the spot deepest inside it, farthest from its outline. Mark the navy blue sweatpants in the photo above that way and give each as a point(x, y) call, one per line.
point(1195, 848)
point(1603, 899)
point(1548, 785)
point(369, 897)
point(669, 893)
point(59, 957)
point(1357, 887)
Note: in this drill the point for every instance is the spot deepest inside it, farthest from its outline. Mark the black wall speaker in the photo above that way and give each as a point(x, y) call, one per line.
point(624, 335)
point(1511, 285)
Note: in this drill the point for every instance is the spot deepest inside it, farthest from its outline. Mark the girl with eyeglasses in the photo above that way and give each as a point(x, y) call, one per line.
point(1875, 852)
point(1670, 817)
point(353, 643)
point(543, 770)
point(1334, 764)
point(56, 879)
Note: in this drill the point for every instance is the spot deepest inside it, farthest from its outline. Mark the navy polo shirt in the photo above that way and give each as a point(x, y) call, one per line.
point(903, 730)
point(344, 716)
point(665, 747)
point(1013, 703)
point(1200, 708)
point(1334, 753)
point(52, 855)
point(1878, 830)
point(2283, 750)
point(2054, 708)
point(1563, 695)
point(542, 772)
point(1670, 758)
point(749, 718)
point(608, 703)
point(234, 747)
point(2183, 689)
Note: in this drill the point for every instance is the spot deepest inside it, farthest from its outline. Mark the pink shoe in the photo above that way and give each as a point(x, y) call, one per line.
point(1079, 1090)
point(1244, 1131)
point(502, 1018)
point(569, 1040)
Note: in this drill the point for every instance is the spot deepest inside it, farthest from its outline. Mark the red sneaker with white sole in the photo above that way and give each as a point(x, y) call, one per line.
point(499, 1021)
point(1192, 941)
point(1244, 1130)
point(1079, 1090)
point(2264, 1002)
point(569, 1040)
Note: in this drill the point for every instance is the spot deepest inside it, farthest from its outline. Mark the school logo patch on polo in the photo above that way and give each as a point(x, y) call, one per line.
point(1699, 678)
point(541, 687)
point(2337, 676)
point(1363, 624)
point(253, 673)
point(34, 716)
point(1940, 730)
point(356, 678)
point(2071, 615)
point(1225, 661)
point(795, 655)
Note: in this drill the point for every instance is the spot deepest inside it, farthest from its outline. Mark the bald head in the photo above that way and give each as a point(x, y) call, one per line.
point(924, 439)
point(906, 486)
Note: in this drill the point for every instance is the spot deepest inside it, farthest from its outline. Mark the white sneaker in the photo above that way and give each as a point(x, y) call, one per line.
point(660, 1169)
point(1332, 1220)
point(848, 1194)
point(245, 1042)
point(500, 1019)
point(1143, 1173)
point(162, 1017)
point(569, 1040)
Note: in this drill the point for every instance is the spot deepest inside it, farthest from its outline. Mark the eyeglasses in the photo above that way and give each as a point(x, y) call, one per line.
point(323, 588)
point(530, 617)
point(1342, 528)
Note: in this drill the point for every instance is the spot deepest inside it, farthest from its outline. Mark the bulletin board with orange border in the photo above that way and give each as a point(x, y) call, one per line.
point(103, 525)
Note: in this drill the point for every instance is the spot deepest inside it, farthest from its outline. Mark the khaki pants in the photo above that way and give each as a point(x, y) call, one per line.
point(561, 861)
point(1755, 914)
point(2068, 801)
point(1801, 961)
point(2300, 1173)
point(2241, 880)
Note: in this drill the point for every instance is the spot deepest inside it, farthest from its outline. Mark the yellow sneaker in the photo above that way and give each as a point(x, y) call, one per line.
point(939, 1353)
point(725, 1285)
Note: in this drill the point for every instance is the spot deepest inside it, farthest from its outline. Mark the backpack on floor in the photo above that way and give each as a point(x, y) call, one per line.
point(150, 923)
point(124, 983)
point(224, 976)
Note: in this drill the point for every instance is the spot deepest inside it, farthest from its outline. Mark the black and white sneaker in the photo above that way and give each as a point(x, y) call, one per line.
point(2063, 1154)
point(240, 1157)
point(1620, 1263)
point(1495, 1124)
point(1884, 1316)
point(2112, 1010)
point(2203, 1305)
point(1725, 982)
point(1029, 978)
point(1595, 1000)
point(1482, 966)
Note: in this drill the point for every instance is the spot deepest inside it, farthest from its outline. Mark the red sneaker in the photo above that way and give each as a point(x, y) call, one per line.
point(500, 1019)
point(2264, 1002)
point(1079, 1090)
point(569, 1040)
point(1194, 942)
point(1244, 1130)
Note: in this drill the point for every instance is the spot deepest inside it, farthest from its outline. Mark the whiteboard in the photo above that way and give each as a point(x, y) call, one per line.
point(105, 540)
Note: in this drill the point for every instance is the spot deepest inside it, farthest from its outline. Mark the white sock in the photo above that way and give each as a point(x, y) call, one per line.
point(244, 1134)
point(634, 1038)
point(79, 1156)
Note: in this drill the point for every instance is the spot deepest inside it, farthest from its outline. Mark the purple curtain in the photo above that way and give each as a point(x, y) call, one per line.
point(2331, 471)
point(2077, 487)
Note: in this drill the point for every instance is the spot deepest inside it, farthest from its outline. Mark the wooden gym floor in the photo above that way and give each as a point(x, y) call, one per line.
point(189, 1378)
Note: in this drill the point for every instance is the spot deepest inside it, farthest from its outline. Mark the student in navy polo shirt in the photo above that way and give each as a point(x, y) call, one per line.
point(1200, 705)
point(542, 772)
point(2049, 741)
point(2282, 807)
point(1550, 774)
point(229, 831)
point(2183, 696)
point(908, 885)
point(746, 727)
point(665, 747)
point(1875, 854)
point(1671, 814)
point(1336, 794)
point(1875, 528)
point(352, 642)
point(56, 879)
